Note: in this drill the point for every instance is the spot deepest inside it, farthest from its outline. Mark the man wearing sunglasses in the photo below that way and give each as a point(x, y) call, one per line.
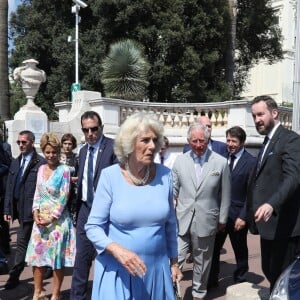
point(20, 188)
point(94, 156)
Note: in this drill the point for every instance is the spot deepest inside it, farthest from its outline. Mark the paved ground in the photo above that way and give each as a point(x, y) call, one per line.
point(25, 289)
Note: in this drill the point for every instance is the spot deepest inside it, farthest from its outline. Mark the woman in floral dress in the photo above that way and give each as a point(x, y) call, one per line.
point(52, 241)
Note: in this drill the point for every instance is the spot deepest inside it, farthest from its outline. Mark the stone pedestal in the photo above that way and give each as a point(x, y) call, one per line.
point(27, 118)
point(247, 291)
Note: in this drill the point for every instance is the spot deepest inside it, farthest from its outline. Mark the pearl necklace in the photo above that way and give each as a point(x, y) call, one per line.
point(135, 180)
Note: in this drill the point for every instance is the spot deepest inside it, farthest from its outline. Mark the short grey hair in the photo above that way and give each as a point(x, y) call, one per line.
point(198, 126)
point(135, 125)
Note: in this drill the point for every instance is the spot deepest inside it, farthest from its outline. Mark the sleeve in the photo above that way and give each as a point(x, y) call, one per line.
point(97, 224)
point(225, 194)
point(176, 183)
point(63, 192)
point(36, 197)
point(171, 225)
point(290, 165)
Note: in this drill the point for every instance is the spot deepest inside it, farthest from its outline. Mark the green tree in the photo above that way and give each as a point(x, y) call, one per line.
point(125, 71)
point(4, 99)
point(184, 41)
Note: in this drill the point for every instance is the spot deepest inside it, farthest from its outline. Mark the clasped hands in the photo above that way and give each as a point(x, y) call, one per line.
point(41, 219)
point(134, 264)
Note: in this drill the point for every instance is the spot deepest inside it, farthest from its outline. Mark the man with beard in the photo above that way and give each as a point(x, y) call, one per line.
point(273, 194)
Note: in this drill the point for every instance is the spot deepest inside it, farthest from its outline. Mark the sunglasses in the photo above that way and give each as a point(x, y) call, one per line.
point(92, 129)
point(22, 142)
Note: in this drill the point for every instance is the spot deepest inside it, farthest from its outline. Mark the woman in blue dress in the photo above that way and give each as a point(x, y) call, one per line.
point(132, 223)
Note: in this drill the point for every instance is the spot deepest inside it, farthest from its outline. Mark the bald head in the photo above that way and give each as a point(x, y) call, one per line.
point(204, 120)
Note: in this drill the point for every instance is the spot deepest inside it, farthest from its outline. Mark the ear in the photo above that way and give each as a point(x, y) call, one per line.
point(275, 114)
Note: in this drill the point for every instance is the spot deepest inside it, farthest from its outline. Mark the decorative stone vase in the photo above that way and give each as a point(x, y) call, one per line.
point(31, 78)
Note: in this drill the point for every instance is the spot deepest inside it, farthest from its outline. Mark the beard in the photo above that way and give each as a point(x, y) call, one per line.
point(265, 128)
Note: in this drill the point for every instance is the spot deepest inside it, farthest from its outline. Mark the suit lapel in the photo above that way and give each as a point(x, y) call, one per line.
point(100, 153)
point(270, 147)
point(239, 165)
point(205, 167)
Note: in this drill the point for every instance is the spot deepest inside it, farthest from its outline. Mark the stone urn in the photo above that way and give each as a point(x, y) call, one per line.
point(31, 78)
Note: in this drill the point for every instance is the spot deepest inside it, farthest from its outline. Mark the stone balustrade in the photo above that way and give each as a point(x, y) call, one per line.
point(176, 117)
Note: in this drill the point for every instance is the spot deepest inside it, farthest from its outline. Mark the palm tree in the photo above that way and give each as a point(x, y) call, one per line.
point(4, 103)
point(125, 71)
point(229, 71)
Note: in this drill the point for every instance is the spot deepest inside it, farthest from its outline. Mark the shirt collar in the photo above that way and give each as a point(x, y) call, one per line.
point(272, 132)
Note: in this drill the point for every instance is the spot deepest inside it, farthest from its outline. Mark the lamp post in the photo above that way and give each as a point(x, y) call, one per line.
point(75, 10)
point(296, 110)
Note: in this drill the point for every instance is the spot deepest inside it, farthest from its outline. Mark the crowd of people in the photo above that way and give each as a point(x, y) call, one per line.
point(139, 211)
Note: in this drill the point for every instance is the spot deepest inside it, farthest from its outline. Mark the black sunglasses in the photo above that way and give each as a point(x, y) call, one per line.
point(22, 142)
point(93, 129)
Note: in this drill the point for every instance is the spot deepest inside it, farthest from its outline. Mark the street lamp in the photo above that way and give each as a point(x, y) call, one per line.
point(75, 10)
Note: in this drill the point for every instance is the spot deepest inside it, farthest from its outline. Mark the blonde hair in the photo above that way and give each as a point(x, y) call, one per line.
point(134, 126)
point(51, 139)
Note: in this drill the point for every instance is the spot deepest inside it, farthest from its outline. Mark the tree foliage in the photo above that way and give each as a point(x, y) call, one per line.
point(125, 71)
point(184, 41)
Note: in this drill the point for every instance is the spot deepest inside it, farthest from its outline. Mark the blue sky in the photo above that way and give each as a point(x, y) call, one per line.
point(12, 5)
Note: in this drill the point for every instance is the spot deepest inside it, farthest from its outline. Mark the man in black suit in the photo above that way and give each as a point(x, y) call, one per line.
point(98, 154)
point(274, 190)
point(241, 164)
point(213, 145)
point(20, 188)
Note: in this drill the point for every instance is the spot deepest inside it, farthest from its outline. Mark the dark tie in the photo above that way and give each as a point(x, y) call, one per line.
point(231, 163)
point(260, 154)
point(19, 179)
point(90, 178)
point(162, 160)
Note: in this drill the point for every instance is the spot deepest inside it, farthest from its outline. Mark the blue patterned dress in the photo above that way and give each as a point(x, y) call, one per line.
point(53, 245)
point(141, 219)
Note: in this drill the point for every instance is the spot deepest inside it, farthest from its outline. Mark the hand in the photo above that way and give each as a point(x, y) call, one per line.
point(221, 227)
point(7, 218)
point(128, 259)
point(74, 179)
point(176, 273)
point(239, 224)
point(263, 213)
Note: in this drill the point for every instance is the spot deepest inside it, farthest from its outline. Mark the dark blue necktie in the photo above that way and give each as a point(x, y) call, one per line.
point(231, 163)
point(90, 178)
point(19, 179)
point(261, 152)
point(162, 160)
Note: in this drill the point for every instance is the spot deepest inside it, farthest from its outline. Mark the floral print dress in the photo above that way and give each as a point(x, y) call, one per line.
point(52, 245)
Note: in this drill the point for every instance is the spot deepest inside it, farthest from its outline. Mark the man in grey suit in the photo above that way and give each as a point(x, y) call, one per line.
point(201, 180)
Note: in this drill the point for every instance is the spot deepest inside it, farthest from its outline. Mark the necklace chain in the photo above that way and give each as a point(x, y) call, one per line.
point(135, 180)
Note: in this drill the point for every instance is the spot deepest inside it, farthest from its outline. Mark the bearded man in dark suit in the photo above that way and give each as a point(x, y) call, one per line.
point(274, 190)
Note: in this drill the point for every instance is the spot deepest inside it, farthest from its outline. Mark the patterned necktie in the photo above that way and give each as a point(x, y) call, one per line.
point(198, 169)
point(231, 163)
point(260, 154)
point(90, 178)
point(19, 179)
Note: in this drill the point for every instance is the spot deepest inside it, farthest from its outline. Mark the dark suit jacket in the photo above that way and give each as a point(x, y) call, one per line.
point(277, 183)
point(105, 158)
point(216, 146)
point(239, 182)
point(27, 189)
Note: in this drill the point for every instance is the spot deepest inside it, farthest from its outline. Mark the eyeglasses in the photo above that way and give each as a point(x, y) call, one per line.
point(22, 142)
point(93, 129)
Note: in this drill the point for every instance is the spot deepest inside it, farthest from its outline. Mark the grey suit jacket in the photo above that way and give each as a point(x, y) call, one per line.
point(207, 203)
